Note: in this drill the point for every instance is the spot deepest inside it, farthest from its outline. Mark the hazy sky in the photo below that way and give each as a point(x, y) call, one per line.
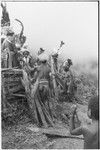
point(46, 23)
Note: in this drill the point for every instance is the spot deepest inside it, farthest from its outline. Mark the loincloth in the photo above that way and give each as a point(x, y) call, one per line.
point(43, 85)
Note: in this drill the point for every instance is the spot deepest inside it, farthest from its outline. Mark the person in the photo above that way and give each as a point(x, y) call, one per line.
point(43, 71)
point(69, 80)
point(5, 21)
point(55, 58)
point(26, 57)
point(41, 50)
point(69, 77)
point(9, 47)
point(65, 78)
point(43, 74)
point(90, 131)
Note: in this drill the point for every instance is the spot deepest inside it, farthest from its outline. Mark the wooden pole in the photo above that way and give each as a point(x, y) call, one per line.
point(39, 108)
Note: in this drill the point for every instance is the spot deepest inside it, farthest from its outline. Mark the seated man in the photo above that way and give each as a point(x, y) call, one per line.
point(91, 131)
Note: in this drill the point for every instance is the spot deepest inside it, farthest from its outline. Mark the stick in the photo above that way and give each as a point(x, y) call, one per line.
point(67, 136)
point(11, 69)
point(46, 114)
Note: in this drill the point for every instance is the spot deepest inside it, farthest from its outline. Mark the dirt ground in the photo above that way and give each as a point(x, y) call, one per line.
point(25, 135)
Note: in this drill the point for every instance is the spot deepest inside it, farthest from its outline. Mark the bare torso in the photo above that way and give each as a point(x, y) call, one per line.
point(44, 71)
point(91, 139)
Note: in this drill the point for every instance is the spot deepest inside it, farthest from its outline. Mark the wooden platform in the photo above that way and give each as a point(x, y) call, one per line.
point(11, 82)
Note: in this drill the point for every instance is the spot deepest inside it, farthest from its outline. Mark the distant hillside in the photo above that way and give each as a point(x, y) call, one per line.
point(89, 68)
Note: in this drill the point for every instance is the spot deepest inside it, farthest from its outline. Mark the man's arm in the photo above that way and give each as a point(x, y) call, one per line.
point(73, 130)
point(77, 131)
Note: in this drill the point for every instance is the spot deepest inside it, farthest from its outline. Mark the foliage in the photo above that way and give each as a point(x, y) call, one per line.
point(88, 81)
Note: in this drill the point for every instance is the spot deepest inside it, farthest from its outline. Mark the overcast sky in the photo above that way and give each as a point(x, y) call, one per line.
point(47, 23)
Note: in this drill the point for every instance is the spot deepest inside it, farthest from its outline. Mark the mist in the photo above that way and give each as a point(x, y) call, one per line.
point(47, 23)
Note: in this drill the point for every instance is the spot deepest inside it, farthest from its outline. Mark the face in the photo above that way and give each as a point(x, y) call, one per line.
point(66, 68)
point(21, 63)
point(25, 55)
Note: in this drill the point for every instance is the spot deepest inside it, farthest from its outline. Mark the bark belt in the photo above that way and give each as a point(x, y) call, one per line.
point(43, 81)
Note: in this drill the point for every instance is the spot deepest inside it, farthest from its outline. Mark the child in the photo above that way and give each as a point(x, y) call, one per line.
point(91, 131)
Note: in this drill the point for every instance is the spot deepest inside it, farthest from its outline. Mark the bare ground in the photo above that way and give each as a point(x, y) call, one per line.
point(25, 135)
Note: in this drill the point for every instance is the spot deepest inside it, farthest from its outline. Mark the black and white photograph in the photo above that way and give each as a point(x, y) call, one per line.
point(49, 74)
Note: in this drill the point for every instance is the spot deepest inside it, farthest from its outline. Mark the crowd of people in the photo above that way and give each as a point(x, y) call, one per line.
point(15, 53)
point(43, 69)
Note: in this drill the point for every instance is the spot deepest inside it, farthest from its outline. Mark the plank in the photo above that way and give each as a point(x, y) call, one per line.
point(52, 132)
point(14, 88)
point(60, 133)
point(19, 95)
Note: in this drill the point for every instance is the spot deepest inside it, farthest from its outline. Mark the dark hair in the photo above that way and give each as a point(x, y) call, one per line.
point(93, 105)
point(43, 61)
point(10, 33)
point(42, 49)
point(69, 61)
point(26, 53)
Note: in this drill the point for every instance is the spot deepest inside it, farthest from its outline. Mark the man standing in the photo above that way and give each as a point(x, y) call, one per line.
point(8, 47)
point(5, 21)
point(66, 79)
point(43, 74)
point(69, 80)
